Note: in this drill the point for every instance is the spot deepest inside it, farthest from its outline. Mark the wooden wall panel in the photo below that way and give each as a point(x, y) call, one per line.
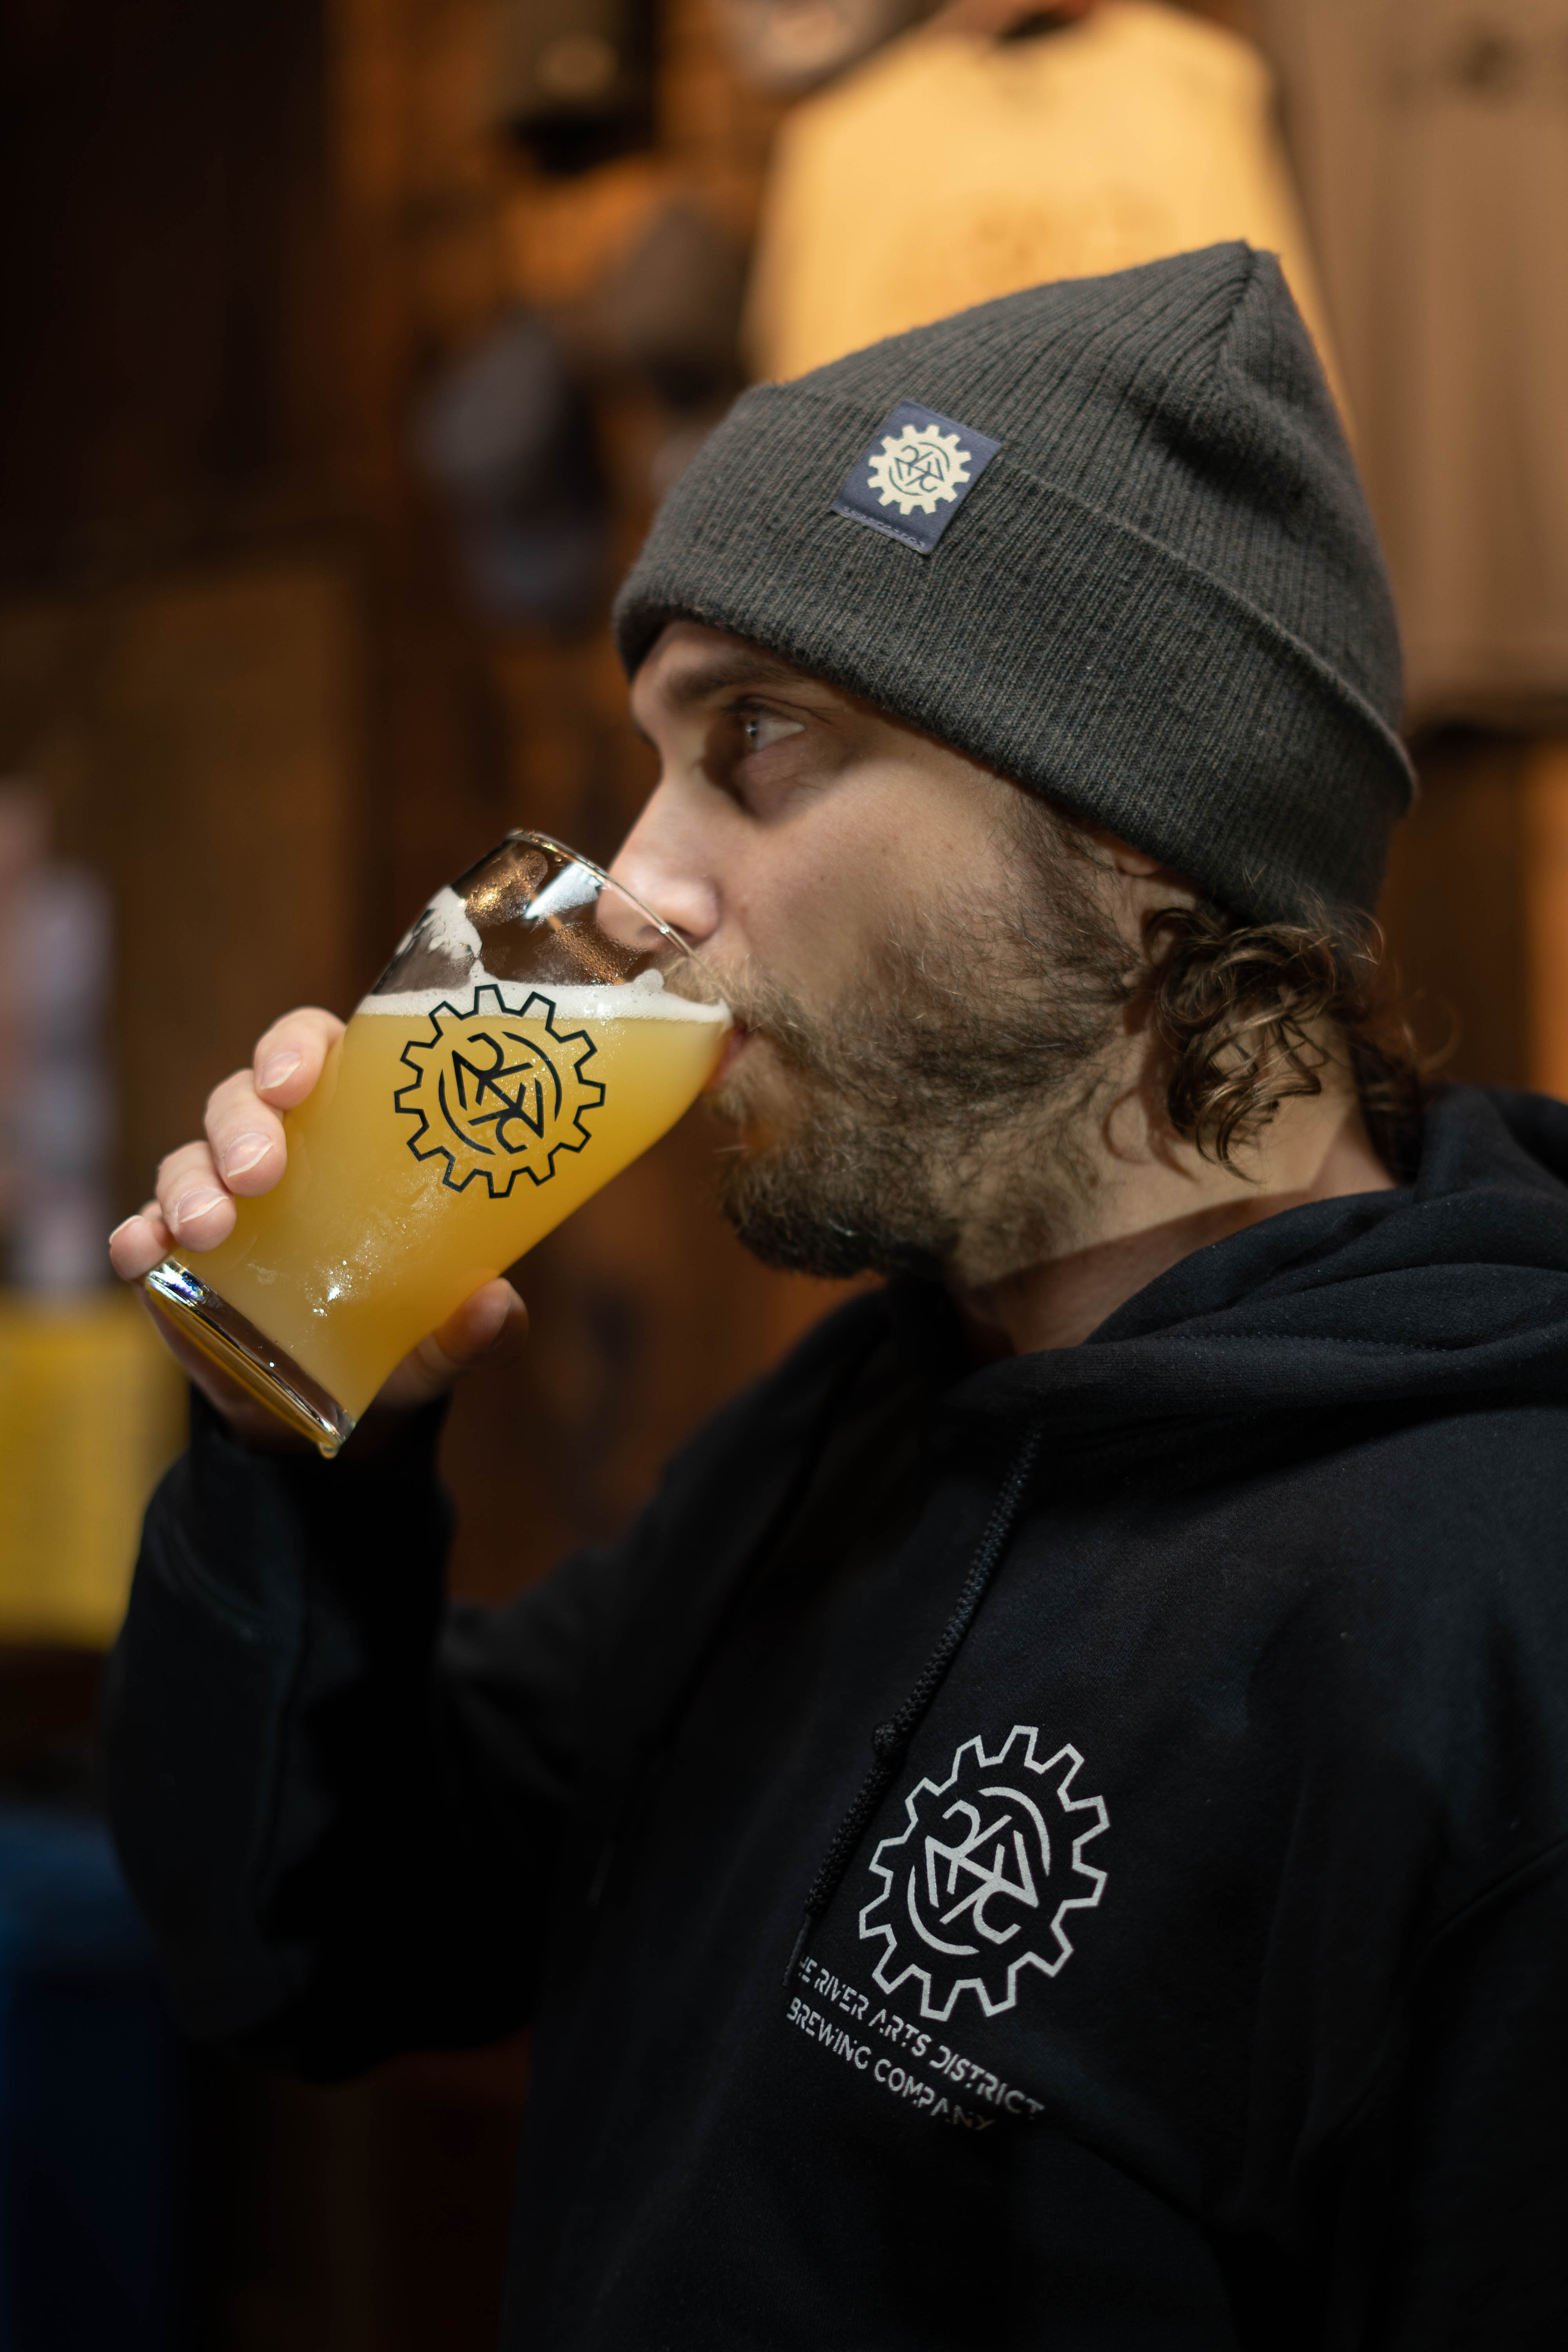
point(1546, 912)
point(1454, 906)
point(168, 364)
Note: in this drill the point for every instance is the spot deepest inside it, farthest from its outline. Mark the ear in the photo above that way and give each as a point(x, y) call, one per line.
point(1120, 856)
point(1125, 860)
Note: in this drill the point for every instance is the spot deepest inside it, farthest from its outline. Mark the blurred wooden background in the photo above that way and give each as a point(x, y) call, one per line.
point(239, 241)
point(232, 644)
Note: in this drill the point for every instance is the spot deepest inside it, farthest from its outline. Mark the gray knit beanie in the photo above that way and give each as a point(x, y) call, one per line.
point(1105, 536)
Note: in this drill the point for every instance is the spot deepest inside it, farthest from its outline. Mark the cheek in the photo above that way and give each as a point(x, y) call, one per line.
point(798, 912)
point(808, 900)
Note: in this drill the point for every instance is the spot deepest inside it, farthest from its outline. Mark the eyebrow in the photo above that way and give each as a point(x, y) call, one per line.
point(721, 673)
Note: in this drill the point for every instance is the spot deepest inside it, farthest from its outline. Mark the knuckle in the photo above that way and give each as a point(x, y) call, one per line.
point(305, 1021)
point(176, 1171)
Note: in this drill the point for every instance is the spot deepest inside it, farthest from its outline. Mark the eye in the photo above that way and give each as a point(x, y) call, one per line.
point(760, 729)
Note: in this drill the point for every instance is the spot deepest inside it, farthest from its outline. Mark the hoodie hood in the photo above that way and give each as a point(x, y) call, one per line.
point(1451, 1289)
point(1438, 1296)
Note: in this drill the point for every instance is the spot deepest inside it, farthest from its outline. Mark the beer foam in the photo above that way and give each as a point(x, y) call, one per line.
point(445, 926)
point(643, 999)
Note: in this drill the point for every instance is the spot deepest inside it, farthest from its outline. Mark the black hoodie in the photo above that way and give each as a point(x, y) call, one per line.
point(1193, 1969)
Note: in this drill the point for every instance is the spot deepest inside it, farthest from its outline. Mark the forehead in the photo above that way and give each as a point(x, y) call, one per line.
point(690, 665)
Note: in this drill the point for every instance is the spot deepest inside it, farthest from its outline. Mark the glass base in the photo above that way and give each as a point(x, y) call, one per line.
point(238, 1347)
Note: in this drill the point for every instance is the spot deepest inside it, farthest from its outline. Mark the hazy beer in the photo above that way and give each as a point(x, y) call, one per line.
point(454, 1124)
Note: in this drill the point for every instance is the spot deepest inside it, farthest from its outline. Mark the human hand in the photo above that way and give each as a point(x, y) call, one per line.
point(243, 1153)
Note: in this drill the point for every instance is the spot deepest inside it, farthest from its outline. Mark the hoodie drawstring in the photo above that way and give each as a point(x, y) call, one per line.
point(891, 1740)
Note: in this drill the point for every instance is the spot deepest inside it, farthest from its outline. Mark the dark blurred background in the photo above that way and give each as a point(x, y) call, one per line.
point(348, 345)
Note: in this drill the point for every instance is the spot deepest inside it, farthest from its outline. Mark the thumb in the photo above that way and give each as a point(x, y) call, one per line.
point(487, 1327)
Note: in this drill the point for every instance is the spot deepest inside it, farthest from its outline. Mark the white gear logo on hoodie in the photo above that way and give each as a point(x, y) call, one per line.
point(965, 1903)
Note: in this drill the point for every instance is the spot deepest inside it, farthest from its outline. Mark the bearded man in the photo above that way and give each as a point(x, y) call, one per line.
point(1049, 1830)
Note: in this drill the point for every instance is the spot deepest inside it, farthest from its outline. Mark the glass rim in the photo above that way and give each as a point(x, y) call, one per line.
point(565, 849)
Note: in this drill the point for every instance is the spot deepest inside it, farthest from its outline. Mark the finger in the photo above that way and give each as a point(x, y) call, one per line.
point(289, 1058)
point(194, 1200)
point(490, 1322)
point(487, 1327)
point(137, 1243)
point(243, 1130)
point(245, 1137)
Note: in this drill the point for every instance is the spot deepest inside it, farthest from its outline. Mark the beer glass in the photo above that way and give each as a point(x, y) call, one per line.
point(536, 1030)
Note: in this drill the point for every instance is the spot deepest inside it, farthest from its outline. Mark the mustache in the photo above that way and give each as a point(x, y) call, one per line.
point(917, 1034)
point(766, 1008)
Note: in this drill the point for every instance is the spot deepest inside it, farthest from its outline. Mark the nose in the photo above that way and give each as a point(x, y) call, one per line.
point(665, 862)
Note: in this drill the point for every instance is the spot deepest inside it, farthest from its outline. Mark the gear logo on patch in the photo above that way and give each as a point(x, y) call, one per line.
point(917, 473)
point(920, 467)
point(978, 1886)
point(494, 1097)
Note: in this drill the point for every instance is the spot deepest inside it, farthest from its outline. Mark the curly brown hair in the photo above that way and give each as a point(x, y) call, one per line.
point(1249, 1015)
point(1253, 1014)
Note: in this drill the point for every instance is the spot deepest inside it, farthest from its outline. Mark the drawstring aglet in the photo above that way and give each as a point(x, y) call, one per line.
point(798, 1953)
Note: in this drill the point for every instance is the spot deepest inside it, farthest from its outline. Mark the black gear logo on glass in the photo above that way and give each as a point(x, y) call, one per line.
point(493, 1099)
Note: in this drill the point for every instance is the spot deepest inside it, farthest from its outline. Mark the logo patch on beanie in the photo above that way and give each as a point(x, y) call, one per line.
point(915, 476)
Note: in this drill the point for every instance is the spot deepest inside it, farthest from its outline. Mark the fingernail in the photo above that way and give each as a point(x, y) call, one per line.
point(244, 1153)
point(196, 1204)
point(124, 1226)
point(274, 1072)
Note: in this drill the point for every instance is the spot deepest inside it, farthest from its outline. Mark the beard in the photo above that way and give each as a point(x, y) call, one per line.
point(931, 1120)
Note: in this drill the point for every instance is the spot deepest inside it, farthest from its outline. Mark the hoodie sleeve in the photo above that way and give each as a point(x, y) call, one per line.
point(340, 1803)
point(1463, 2193)
point(349, 1810)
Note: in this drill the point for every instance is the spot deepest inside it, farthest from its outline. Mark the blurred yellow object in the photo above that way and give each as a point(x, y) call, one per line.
point(91, 1410)
point(952, 169)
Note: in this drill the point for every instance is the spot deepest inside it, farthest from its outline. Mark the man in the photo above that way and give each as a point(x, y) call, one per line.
point(1050, 1830)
